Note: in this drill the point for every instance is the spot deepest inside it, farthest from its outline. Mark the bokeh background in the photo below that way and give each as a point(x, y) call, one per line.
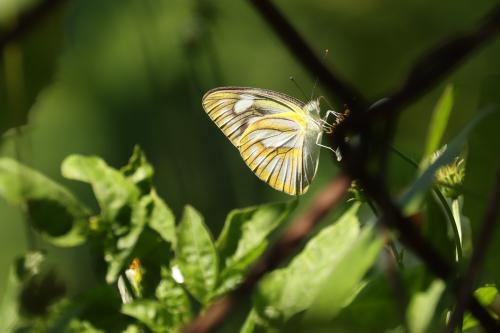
point(99, 76)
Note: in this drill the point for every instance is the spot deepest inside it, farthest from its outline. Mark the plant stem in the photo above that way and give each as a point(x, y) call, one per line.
point(454, 222)
point(457, 235)
point(392, 246)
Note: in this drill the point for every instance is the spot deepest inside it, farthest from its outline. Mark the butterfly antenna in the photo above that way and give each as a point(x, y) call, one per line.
point(317, 79)
point(298, 87)
point(323, 98)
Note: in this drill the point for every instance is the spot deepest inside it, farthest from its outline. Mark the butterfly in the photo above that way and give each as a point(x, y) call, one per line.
point(278, 136)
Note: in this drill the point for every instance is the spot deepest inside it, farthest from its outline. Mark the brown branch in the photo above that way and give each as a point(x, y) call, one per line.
point(28, 20)
point(337, 86)
point(328, 198)
point(434, 65)
point(466, 286)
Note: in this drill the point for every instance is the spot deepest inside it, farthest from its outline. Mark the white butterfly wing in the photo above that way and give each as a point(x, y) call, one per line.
point(234, 108)
point(271, 132)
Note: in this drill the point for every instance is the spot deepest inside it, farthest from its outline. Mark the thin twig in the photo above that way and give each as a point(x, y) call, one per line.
point(485, 237)
point(434, 65)
point(328, 198)
point(410, 236)
point(345, 93)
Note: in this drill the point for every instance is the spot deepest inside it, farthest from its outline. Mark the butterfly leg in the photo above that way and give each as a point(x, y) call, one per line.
point(335, 151)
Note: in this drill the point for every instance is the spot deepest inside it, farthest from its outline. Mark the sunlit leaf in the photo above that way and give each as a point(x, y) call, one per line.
point(290, 290)
point(196, 255)
point(345, 279)
point(52, 209)
point(243, 239)
point(439, 120)
point(421, 309)
point(488, 296)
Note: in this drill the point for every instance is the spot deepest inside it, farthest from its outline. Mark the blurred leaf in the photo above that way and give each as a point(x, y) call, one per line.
point(52, 209)
point(439, 120)
point(243, 239)
point(413, 197)
point(32, 287)
point(421, 309)
point(377, 305)
point(482, 165)
point(151, 313)
point(344, 281)
point(139, 171)
point(290, 290)
point(196, 255)
point(253, 324)
point(487, 296)
point(112, 190)
point(81, 326)
point(101, 307)
point(9, 305)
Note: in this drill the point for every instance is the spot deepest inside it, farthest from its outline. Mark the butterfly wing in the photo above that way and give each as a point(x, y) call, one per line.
point(277, 148)
point(271, 132)
point(233, 109)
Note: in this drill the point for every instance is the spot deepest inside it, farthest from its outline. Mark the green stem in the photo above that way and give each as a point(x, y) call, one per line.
point(455, 207)
point(456, 233)
point(441, 199)
point(397, 256)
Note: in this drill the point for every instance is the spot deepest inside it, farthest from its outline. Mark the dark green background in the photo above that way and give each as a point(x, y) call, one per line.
point(99, 76)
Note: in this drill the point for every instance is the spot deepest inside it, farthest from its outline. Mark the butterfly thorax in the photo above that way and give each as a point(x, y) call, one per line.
point(313, 118)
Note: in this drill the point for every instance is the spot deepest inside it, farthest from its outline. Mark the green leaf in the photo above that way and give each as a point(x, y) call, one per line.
point(421, 309)
point(293, 289)
point(51, 208)
point(196, 255)
point(174, 299)
point(345, 279)
point(487, 296)
point(113, 191)
point(152, 229)
point(32, 288)
point(162, 220)
point(439, 120)
point(253, 324)
point(243, 239)
point(123, 251)
point(168, 313)
point(139, 171)
point(413, 197)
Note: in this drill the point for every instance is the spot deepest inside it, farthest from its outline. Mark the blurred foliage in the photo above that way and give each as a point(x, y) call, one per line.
point(96, 77)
